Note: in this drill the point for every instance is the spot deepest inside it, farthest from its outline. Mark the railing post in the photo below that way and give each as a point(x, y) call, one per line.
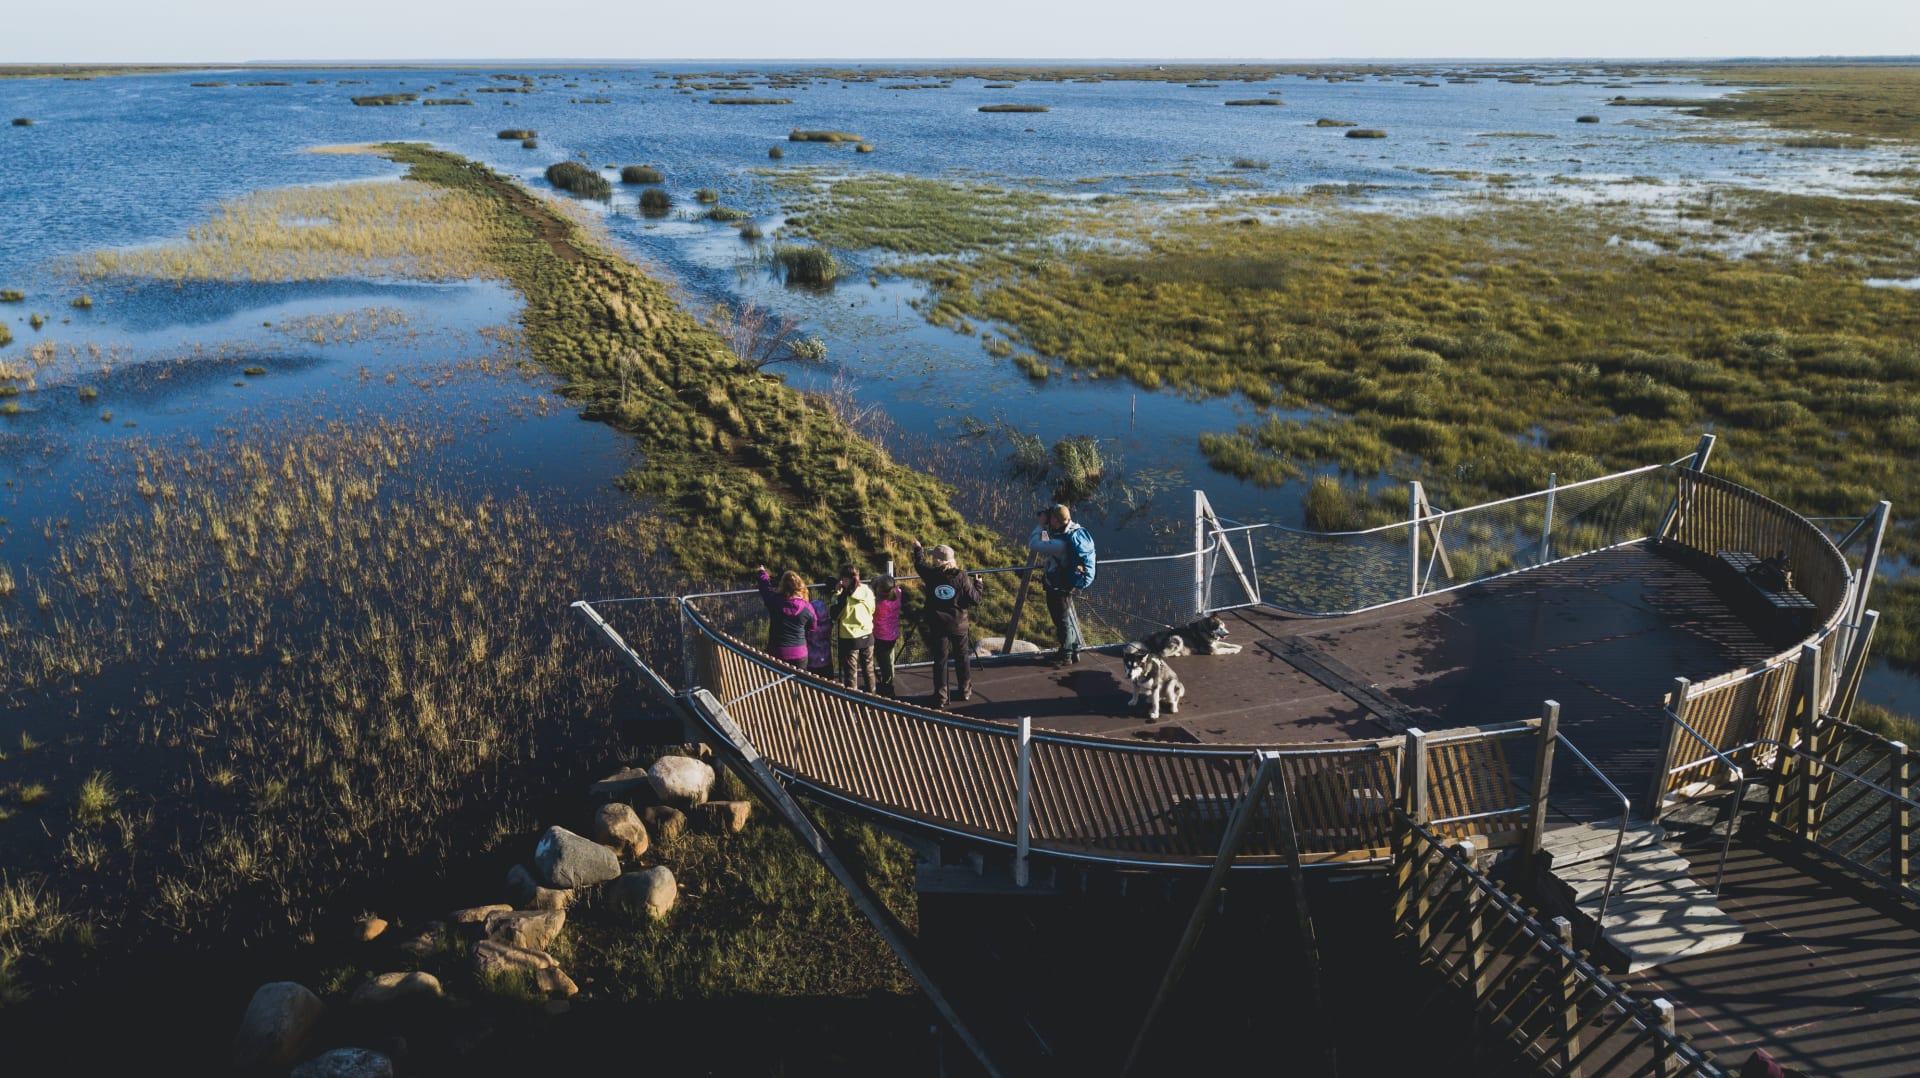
point(1542, 776)
point(1815, 736)
point(1903, 783)
point(1413, 799)
point(1476, 936)
point(1023, 800)
point(1663, 763)
point(686, 648)
point(1201, 507)
point(1663, 1060)
point(1546, 527)
point(1569, 1001)
point(1415, 495)
point(1856, 666)
point(1702, 452)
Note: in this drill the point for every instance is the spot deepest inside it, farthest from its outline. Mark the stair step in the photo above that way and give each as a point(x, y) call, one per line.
point(1639, 869)
point(1667, 922)
point(1575, 845)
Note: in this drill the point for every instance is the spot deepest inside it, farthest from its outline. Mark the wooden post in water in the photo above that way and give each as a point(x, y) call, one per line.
point(1542, 776)
point(1663, 763)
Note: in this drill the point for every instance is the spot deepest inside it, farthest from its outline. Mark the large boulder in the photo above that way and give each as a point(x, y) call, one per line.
point(534, 930)
point(664, 821)
point(278, 1023)
point(650, 890)
point(681, 781)
point(723, 817)
point(346, 1063)
point(493, 959)
point(525, 891)
point(618, 826)
point(388, 987)
point(567, 860)
point(627, 784)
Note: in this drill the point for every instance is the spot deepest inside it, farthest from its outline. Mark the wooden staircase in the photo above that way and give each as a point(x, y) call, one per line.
point(1656, 912)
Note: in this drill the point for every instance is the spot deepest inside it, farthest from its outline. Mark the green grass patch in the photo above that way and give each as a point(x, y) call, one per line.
point(726, 214)
point(637, 174)
point(12, 295)
point(1366, 132)
point(374, 100)
point(910, 214)
point(1325, 122)
point(797, 135)
point(1013, 108)
point(82, 302)
point(654, 202)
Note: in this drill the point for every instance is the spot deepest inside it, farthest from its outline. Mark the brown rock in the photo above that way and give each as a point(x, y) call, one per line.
point(534, 930)
point(723, 817)
point(367, 929)
point(526, 892)
point(425, 942)
point(618, 826)
point(555, 983)
point(629, 784)
point(492, 959)
point(652, 890)
point(279, 1021)
point(388, 987)
point(476, 915)
point(665, 822)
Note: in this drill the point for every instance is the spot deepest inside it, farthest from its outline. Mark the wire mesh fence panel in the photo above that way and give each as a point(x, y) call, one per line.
point(1331, 572)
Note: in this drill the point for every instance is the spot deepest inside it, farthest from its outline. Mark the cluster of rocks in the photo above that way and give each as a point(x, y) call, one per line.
point(512, 938)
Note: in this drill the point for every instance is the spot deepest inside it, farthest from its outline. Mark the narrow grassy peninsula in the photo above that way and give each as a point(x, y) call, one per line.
point(749, 469)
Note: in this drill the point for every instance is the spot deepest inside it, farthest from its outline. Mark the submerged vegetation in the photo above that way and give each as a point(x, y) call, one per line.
point(910, 214)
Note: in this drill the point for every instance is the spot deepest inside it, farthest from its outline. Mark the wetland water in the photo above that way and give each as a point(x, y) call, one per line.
point(122, 162)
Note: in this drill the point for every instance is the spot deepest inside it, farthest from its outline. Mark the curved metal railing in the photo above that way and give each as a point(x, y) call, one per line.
point(1126, 802)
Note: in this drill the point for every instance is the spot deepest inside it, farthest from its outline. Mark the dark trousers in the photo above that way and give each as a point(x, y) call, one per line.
point(883, 655)
point(1066, 622)
point(944, 645)
point(856, 662)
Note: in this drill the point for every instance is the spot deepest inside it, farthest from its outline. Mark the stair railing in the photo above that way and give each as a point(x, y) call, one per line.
point(1620, 836)
point(1734, 771)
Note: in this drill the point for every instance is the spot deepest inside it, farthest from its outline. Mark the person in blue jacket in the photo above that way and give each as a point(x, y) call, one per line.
point(1067, 550)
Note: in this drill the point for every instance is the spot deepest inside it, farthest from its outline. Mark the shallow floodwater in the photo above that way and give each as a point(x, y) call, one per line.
point(127, 161)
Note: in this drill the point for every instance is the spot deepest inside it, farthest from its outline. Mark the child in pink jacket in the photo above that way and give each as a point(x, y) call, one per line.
point(886, 630)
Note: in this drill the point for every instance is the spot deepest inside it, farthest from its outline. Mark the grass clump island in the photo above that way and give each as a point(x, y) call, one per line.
point(578, 179)
point(750, 101)
point(654, 202)
point(806, 263)
point(798, 135)
point(1013, 108)
point(637, 174)
point(517, 133)
point(371, 100)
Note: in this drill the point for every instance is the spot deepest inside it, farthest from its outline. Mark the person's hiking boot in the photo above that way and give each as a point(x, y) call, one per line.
point(966, 694)
point(939, 702)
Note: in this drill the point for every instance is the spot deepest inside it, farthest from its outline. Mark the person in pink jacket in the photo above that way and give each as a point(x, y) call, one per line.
point(886, 629)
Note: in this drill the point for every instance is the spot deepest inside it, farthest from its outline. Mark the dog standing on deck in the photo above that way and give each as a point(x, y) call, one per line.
point(1152, 676)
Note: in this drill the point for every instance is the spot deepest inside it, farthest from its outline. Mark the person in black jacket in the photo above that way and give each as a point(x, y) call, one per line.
point(945, 623)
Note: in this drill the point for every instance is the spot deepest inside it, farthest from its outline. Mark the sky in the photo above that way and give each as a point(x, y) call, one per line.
point(225, 31)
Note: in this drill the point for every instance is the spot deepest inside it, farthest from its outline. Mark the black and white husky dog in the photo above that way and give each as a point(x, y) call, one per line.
point(1207, 636)
point(1152, 677)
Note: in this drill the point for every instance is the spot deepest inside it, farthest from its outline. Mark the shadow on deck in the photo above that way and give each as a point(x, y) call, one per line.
point(1604, 635)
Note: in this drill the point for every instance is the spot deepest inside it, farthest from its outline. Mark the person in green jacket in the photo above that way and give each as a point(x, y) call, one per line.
point(852, 618)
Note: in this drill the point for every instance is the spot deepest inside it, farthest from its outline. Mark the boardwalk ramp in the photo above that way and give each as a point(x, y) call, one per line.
point(1647, 906)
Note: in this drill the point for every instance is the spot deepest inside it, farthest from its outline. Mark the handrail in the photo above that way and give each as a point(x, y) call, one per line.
point(1619, 839)
point(1740, 794)
point(1868, 783)
point(1489, 814)
point(1444, 513)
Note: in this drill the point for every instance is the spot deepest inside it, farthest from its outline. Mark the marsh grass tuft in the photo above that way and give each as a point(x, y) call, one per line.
point(1325, 122)
point(1366, 132)
point(1014, 108)
point(386, 99)
point(514, 133)
point(571, 176)
point(797, 135)
point(12, 295)
point(1256, 101)
point(82, 302)
point(637, 174)
point(807, 263)
point(22, 121)
point(776, 153)
point(95, 798)
point(655, 202)
point(706, 195)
